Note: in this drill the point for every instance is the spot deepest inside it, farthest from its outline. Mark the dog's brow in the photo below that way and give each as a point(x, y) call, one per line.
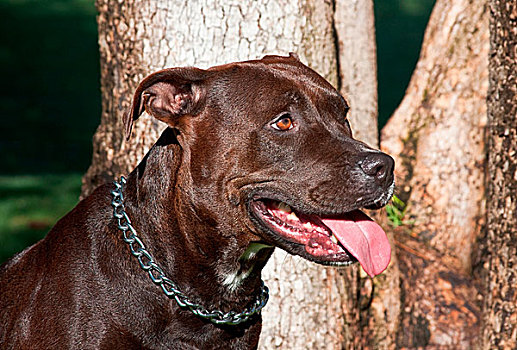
point(327, 91)
point(295, 96)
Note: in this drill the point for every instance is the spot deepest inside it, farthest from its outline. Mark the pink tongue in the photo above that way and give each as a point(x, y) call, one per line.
point(364, 239)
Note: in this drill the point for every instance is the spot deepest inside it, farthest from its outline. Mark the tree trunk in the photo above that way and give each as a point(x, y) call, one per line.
point(500, 306)
point(311, 306)
point(437, 138)
point(355, 28)
point(371, 306)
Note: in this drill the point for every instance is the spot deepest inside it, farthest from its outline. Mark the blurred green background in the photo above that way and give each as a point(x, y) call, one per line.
point(50, 101)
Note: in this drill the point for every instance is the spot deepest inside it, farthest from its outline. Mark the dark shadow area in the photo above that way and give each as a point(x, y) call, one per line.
point(400, 26)
point(49, 99)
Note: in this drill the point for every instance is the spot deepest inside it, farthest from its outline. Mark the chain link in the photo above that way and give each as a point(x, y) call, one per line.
point(147, 263)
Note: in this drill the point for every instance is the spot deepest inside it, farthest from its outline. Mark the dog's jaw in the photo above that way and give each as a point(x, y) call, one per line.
point(337, 240)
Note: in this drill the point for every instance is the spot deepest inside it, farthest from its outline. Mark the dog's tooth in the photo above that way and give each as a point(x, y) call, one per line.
point(292, 217)
point(307, 226)
point(333, 239)
point(362, 273)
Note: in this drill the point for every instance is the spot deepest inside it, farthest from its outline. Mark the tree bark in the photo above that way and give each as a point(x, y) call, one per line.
point(310, 306)
point(500, 306)
point(437, 138)
point(355, 33)
point(371, 306)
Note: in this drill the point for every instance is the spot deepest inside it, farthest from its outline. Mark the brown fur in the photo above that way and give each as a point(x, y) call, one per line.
point(188, 199)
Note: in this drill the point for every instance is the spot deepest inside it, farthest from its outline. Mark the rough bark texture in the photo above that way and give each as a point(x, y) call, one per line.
point(437, 138)
point(355, 28)
point(371, 307)
point(138, 37)
point(500, 306)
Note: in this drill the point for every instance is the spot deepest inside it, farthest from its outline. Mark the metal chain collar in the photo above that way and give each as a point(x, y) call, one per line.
point(157, 275)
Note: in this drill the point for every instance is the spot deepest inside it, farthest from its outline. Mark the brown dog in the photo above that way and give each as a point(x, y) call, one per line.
point(257, 154)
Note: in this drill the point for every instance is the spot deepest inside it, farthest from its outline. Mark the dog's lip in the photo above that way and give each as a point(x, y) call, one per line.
point(304, 242)
point(370, 203)
point(341, 238)
point(308, 209)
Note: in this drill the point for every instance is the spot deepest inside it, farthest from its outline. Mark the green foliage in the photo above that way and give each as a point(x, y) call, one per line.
point(50, 100)
point(396, 212)
point(31, 205)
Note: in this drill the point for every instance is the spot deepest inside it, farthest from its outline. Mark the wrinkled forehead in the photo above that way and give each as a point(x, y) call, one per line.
point(271, 86)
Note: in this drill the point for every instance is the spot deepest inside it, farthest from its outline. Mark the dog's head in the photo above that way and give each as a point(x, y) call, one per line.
point(268, 152)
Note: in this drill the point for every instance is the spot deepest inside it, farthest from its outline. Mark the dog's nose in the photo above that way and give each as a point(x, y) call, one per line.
point(379, 166)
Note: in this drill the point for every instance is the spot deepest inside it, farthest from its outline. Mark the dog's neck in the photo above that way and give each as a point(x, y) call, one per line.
point(206, 264)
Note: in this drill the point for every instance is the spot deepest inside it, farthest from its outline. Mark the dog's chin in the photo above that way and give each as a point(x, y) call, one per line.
point(329, 240)
point(380, 200)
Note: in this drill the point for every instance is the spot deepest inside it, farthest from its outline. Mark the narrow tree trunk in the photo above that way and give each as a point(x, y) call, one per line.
point(355, 33)
point(437, 137)
point(137, 37)
point(371, 307)
point(500, 306)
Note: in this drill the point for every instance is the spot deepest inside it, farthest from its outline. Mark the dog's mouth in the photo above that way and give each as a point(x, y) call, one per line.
point(332, 240)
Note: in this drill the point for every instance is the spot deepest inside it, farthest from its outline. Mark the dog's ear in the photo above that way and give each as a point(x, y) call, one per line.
point(167, 95)
point(294, 56)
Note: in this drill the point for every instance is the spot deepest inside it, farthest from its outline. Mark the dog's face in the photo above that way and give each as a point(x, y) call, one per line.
point(267, 143)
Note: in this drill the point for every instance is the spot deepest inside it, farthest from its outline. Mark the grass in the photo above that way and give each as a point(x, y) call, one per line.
point(31, 205)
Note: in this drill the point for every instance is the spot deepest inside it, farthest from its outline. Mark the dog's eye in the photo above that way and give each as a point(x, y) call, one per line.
point(283, 123)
